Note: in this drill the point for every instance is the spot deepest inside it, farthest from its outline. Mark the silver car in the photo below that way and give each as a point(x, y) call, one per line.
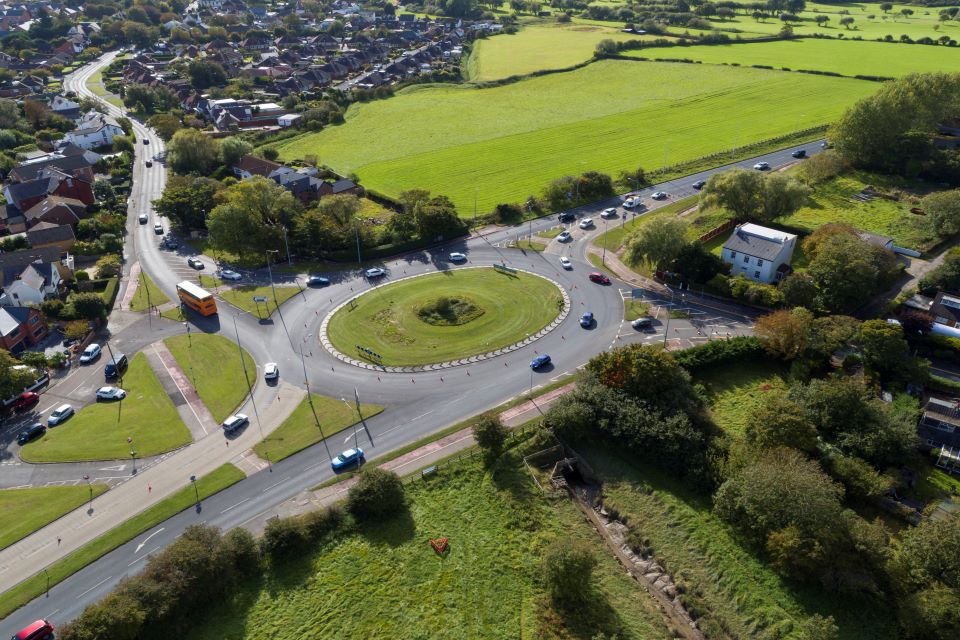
point(60, 415)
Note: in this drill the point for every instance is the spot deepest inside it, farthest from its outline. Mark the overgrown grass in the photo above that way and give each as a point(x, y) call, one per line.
point(215, 481)
point(633, 309)
point(241, 296)
point(28, 510)
point(299, 431)
point(147, 290)
point(213, 365)
point(100, 431)
point(735, 389)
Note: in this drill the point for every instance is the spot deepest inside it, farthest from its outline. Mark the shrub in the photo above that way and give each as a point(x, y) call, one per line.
point(377, 494)
point(490, 435)
point(81, 276)
point(719, 351)
point(283, 538)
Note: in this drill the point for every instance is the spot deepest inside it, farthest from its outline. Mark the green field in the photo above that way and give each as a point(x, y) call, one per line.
point(385, 581)
point(213, 365)
point(735, 391)
point(847, 58)
point(299, 431)
point(386, 320)
point(141, 300)
point(27, 510)
point(511, 141)
point(100, 431)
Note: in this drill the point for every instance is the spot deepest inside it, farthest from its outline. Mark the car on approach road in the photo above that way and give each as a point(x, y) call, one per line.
point(158, 229)
point(799, 153)
point(347, 459)
point(609, 212)
point(565, 263)
point(541, 360)
point(31, 433)
point(586, 320)
point(599, 278)
point(317, 281)
point(195, 263)
point(142, 218)
point(170, 243)
point(26, 400)
point(235, 422)
point(660, 195)
point(146, 141)
point(566, 216)
point(374, 272)
point(60, 415)
point(271, 371)
point(456, 256)
point(228, 274)
point(39, 630)
point(699, 184)
point(91, 353)
point(586, 223)
point(564, 236)
point(762, 166)
point(110, 393)
point(642, 323)
point(631, 202)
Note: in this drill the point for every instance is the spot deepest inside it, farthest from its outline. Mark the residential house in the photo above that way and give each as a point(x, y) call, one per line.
point(759, 253)
point(20, 327)
point(49, 234)
point(250, 166)
point(289, 119)
point(940, 425)
point(94, 130)
point(55, 210)
point(946, 309)
point(77, 166)
point(34, 282)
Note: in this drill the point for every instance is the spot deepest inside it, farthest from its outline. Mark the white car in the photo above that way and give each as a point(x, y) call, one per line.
point(608, 213)
point(60, 415)
point(110, 393)
point(142, 218)
point(631, 202)
point(374, 272)
point(91, 353)
point(565, 263)
point(564, 236)
point(158, 229)
point(271, 371)
point(660, 195)
point(762, 166)
point(227, 274)
point(235, 422)
point(586, 223)
point(457, 257)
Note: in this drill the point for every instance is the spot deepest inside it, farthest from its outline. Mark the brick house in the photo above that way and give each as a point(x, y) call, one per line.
point(20, 327)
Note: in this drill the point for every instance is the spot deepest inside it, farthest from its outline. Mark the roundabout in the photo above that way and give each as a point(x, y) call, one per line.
point(444, 319)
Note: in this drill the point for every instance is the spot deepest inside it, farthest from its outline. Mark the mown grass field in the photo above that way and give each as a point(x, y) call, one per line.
point(848, 58)
point(99, 431)
point(511, 141)
point(737, 595)
point(147, 293)
point(734, 391)
point(385, 581)
point(299, 431)
point(386, 321)
point(27, 510)
point(213, 365)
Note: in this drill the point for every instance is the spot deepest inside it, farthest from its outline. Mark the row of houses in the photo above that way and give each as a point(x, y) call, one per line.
point(302, 183)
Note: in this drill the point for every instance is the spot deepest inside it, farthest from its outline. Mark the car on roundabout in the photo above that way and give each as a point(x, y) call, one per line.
point(347, 459)
point(631, 202)
point(540, 361)
point(609, 212)
point(317, 281)
point(699, 184)
point(564, 236)
point(374, 272)
point(586, 320)
point(599, 278)
point(271, 371)
point(148, 163)
point(586, 223)
point(32, 432)
point(566, 263)
point(158, 229)
point(456, 256)
point(235, 422)
point(110, 393)
point(660, 195)
point(229, 274)
point(142, 218)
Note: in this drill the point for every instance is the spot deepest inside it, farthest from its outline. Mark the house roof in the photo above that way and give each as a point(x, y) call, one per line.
point(943, 410)
point(76, 207)
point(257, 166)
point(67, 164)
point(759, 242)
point(20, 191)
point(11, 318)
point(874, 238)
point(33, 276)
point(48, 233)
point(18, 260)
point(343, 185)
point(946, 305)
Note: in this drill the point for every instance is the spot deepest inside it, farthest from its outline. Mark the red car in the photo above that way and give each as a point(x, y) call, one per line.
point(599, 278)
point(26, 400)
point(39, 630)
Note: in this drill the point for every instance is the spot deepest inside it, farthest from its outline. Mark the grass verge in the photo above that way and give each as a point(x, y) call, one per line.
point(215, 481)
point(212, 364)
point(299, 431)
point(31, 509)
point(100, 431)
point(241, 296)
point(147, 294)
point(633, 309)
point(531, 245)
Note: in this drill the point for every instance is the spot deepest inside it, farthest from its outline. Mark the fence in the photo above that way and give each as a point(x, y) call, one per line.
point(713, 233)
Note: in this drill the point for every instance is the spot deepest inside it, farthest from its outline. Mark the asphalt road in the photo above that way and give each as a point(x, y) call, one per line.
point(417, 404)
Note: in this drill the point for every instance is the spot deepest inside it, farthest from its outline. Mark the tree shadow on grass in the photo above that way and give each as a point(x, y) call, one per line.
point(391, 532)
point(592, 617)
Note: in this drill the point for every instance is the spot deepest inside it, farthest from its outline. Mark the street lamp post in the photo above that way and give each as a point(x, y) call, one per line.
point(196, 491)
point(356, 440)
point(270, 272)
point(253, 401)
point(603, 258)
point(193, 377)
point(316, 418)
point(90, 487)
point(475, 193)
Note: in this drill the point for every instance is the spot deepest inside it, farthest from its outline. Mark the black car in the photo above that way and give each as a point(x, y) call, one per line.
point(317, 281)
point(146, 141)
point(799, 153)
point(566, 216)
point(32, 432)
point(115, 367)
point(699, 184)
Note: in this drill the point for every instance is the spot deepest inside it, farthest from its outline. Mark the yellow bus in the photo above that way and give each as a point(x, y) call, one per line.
point(193, 297)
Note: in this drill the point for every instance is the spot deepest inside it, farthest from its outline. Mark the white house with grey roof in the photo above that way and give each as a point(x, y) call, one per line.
point(759, 253)
point(94, 130)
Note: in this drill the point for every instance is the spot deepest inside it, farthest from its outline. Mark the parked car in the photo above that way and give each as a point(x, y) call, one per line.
point(32, 432)
point(642, 323)
point(143, 218)
point(115, 367)
point(39, 630)
point(317, 281)
point(271, 371)
point(26, 400)
point(609, 212)
point(799, 153)
point(660, 195)
point(599, 278)
point(457, 257)
point(110, 393)
point(347, 459)
point(91, 353)
point(170, 243)
point(195, 263)
point(586, 223)
point(235, 423)
point(69, 342)
point(762, 166)
point(374, 272)
point(566, 216)
point(228, 274)
point(565, 263)
point(158, 229)
point(564, 236)
point(586, 320)
point(699, 184)
point(60, 415)
point(541, 360)
point(631, 202)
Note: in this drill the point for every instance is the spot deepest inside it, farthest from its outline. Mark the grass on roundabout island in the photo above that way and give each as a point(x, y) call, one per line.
point(387, 320)
point(30, 509)
point(213, 365)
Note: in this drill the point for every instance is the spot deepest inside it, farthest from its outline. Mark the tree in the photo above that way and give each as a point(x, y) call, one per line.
point(205, 74)
point(10, 115)
point(846, 21)
point(645, 373)
point(738, 190)
point(568, 572)
point(943, 209)
point(883, 345)
point(108, 266)
point(886, 6)
point(632, 179)
point(165, 124)
point(799, 290)
point(778, 421)
point(342, 208)
point(490, 435)
point(411, 198)
point(103, 191)
point(821, 20)
point(377, 494)
point(190, 151)
point(13, 381)
point(233, 149)
point(88, 305)
point(785, 333)
point(845, 269)
point(252, 216)
point(122, 143)
point(187, 200)
point(816, 627)
point(782, 195)
point(76, 329)
point(695, 264)
point(437, 218)
point(657, 243)
point(36, 113)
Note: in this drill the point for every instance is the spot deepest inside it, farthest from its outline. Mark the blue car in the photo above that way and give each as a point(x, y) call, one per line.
point(317, 281)
point(540, 361)
point(586, 320)
point(347, 459)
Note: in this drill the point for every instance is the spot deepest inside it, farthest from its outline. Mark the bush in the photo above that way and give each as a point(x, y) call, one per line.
point(568, 572)
point(377, 494)
point(719, 351)
point(81, 276)
point(283, 538)
point(767, 295)
point(108, 266)
point(490, 435)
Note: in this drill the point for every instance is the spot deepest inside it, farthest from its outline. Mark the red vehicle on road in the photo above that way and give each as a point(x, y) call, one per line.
point(39, 630)
point(26, 400)
point(599, 278)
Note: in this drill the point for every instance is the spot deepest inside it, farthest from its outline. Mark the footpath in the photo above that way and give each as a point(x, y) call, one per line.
point(408, 463)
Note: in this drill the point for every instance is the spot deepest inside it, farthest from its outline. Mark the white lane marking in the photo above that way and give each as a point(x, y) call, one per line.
point(146, 555)
point(147, 539)
point(235, 506)
point(50, 615)
point(93, 587)
point(276, 484)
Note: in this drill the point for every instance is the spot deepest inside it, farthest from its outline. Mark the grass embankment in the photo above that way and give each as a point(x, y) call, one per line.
point(735, 390)
point(386, 320)
point(520, 136)
point(241, 296)
point(737, 595)
point(100, 431)
point(27, 510)
point(387, 581)
point(215, 481)
point(213, 365)
point(147, 293)
point(299, 431)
